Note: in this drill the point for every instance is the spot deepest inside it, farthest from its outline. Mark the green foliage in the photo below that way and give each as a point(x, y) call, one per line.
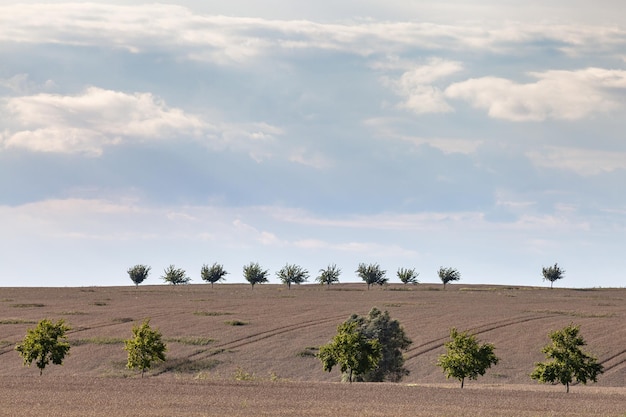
point(214, 273)
point(377, 325)
point(552, 273)
point(465, 357)
point(447, 275)
point(175, 276)
point(292, 274)
point(371, 274)
point(407, 276)
point(329, 275)
point(567, 362)
point(146, 346)
point(254, 274)
point(138, 274)
point(44, 344)
point(351, 351)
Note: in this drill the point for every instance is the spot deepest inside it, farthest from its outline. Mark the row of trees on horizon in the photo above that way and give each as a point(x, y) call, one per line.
point(371, 274)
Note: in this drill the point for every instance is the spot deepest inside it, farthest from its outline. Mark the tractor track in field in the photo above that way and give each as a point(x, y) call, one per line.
point(613, 367)
point(483, 328)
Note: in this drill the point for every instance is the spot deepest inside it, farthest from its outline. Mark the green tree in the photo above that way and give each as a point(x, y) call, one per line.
point(351, 351)
point(407, 276)
point(175, 276)
point(44, 344)
point(292, 274)
point(465, 357)
point(146, 346)
point(212, 274)
point(371, 274)
point(329, 275)
point(552, 273)
point(567, 362)
point(447, 275)
point(138, 274)
point(254, 274)
point(378, 325)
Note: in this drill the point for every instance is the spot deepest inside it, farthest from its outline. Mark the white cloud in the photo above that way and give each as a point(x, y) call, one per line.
point(416, 86)
point(561, 95)
point(585, 162)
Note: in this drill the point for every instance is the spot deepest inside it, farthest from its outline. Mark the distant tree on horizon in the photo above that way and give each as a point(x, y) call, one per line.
point(292, 274)
point(552, 273)
point(371, 274)
point(212, 274)
point(44, 344)
point(447, 275)
point(566, 360)
point(254, 274)
point(407, 276)
point(329, 275)
point(175, 276)
point(138, 274)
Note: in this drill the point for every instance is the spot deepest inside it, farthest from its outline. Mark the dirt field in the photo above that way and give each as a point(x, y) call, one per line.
point(274, 343)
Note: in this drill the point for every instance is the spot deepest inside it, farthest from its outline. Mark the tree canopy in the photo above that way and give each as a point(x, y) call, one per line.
point(389, 333)
point(292, 274)
point(44, 344)
point(329, 275)
point(354, 353)
point(371, 274)
point(566, 360)
point(138, 273)
point(407, 276)
point(175, 276)
point(447, 275)
point(254, 274)
point(212, 274)
point(552, 273)
point(146, 346)
point(465, 357)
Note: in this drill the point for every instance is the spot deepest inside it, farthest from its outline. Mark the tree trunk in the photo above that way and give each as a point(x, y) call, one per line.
point(462, 382)
point(567, 387)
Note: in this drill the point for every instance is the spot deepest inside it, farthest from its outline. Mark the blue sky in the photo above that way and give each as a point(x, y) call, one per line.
point(486, 137)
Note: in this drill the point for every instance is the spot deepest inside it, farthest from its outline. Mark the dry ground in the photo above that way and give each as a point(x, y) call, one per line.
point(274, 346)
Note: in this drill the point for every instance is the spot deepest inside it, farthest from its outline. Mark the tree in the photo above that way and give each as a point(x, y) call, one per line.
point(146, 346)
point(552, 273)
point(329, 275)
point(351, 350)
point(448, 275)
point(175, 276)
point(138, 274)
point(212, 274)
point(44, 344)
point(254, 274)
point(407, 276)
point(465, 357)
point(292, 274)
point(371, 274)
point(567, 362)
point(377, 325)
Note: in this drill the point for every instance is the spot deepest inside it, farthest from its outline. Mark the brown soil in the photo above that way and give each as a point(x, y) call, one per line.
point(279, 333)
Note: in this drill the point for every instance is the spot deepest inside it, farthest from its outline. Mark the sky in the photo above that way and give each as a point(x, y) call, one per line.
point(486, 136)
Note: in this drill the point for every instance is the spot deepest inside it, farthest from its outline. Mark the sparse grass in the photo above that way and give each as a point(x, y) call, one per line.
point(242, 375)
point(186, 366)
point(578, 314)
point(6, 300)
point(100, 303)
point(393, 304)
point(17, 321)
point(193, 341)
point(5, 343)
point(122, 320)
point(73, 313)
point(399, 288)
point(212, 313)
point(236, 323)
point(97, 341)
point(308, 352)
point(28, 305)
